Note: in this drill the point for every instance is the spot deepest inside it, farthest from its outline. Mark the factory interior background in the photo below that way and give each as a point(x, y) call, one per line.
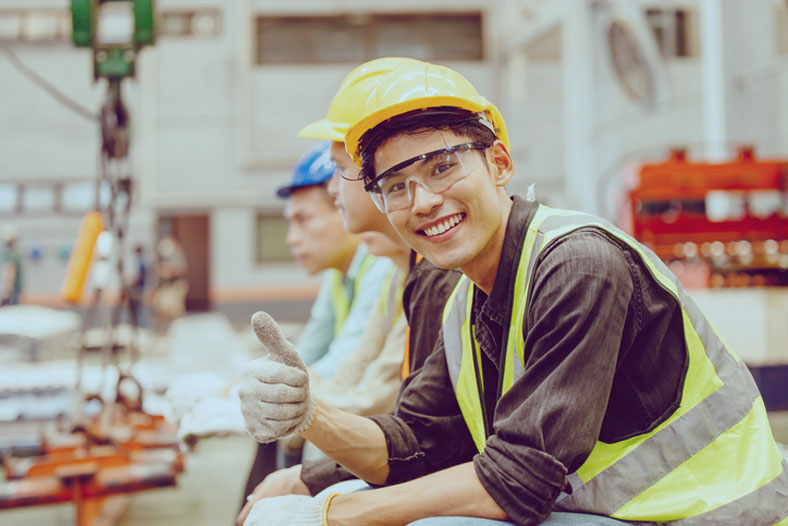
point(668, 118)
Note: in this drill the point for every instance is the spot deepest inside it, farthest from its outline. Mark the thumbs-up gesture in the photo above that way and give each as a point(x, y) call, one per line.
point(274, 392)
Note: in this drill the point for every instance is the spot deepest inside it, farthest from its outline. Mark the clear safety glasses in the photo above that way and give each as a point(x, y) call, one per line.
point(434, 171)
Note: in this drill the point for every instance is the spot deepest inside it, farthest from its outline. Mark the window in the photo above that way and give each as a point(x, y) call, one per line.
point(35, 25)
point(78, 197)
point(547, 47)
point(782, 28)
point(53, 197)
point(10, 25)
point(271, 245)
point(676, 31)
point(39, 198)
point(197, 23)
point(332, 39)
point(9, 198)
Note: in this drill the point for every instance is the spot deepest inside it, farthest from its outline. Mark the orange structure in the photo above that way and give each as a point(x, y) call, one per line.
point(133, 451)
point(81, 257)
point(729, 218)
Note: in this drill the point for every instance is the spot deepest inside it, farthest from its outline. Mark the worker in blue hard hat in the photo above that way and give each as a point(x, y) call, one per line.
point(319, 242)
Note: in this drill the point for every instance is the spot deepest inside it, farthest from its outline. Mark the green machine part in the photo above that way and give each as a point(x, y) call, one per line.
point(144, 23)
point(82, 22)
point(113, 60)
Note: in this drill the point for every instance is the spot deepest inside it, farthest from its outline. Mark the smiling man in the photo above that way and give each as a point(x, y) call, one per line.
point(577, 383)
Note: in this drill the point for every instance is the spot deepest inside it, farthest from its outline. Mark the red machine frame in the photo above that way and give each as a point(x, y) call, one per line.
point(669, 214)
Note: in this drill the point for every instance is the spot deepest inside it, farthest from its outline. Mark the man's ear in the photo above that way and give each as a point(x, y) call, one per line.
point(502, 165)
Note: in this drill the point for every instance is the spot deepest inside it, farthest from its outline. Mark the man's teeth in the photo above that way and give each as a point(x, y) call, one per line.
point(440, 228)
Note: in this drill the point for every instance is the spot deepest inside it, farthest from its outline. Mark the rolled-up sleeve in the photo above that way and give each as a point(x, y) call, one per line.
point(319, 474)
point(546, 425)
point(427, 433)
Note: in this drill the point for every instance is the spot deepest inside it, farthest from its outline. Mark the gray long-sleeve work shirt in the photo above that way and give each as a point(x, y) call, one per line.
point(604, 360)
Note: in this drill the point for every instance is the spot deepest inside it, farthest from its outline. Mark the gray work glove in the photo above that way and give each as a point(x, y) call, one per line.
point(290, 510)
point(274, 392)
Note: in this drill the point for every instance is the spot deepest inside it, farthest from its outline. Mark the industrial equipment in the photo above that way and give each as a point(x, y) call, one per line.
point(717, 224)
point(85, 456)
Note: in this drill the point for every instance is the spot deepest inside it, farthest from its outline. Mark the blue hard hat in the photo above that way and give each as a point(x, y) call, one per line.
point(314, 167)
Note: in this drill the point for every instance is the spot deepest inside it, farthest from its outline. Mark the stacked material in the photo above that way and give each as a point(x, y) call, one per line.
point(208, 354)
point(30, 332)
point(44, 391)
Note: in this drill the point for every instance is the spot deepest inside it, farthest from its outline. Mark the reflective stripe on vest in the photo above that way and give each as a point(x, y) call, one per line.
point(713, 461)
point(340, 301)
point(456, 336)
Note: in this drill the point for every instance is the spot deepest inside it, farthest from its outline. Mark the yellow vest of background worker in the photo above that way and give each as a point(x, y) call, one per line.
point(340, 299)
point(713, 461)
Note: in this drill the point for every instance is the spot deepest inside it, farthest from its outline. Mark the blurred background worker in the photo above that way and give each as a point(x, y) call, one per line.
point(351, 285)
point(169, 299)
point(136, 286)
point(11, 268)
point(133, 289)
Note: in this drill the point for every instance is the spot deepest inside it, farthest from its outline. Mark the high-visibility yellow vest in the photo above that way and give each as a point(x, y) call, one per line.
point(391, 298)
point(713, 461)
point(340, 296)
point(405, 369)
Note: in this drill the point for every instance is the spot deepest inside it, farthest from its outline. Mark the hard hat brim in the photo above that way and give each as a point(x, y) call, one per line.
point(323, 129)
point(354, 134)
point(286, 191)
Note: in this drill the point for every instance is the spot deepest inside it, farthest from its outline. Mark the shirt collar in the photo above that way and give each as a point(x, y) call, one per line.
point(497, 307)
point(358, 259)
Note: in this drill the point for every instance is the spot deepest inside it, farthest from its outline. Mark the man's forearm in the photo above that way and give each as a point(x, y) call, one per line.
point(354, 441)
point(455, 491)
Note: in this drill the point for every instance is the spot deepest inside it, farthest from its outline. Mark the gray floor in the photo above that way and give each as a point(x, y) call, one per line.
point(209, 492)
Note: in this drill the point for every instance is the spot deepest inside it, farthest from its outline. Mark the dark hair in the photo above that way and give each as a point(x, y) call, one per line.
point(462, 122)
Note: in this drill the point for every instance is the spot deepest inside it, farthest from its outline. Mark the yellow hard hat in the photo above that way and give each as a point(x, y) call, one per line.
point(417, 87)
point(348, 102)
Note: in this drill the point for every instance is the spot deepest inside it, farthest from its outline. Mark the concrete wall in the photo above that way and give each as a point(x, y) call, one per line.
point(226, 130)
point(215, 134)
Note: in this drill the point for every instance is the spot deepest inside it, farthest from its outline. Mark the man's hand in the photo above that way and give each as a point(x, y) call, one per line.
point(274, 392)
point(282, 482)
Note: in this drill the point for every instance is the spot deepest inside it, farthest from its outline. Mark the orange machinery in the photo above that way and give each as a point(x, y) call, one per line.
point(132, 451)
point(716, 224)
